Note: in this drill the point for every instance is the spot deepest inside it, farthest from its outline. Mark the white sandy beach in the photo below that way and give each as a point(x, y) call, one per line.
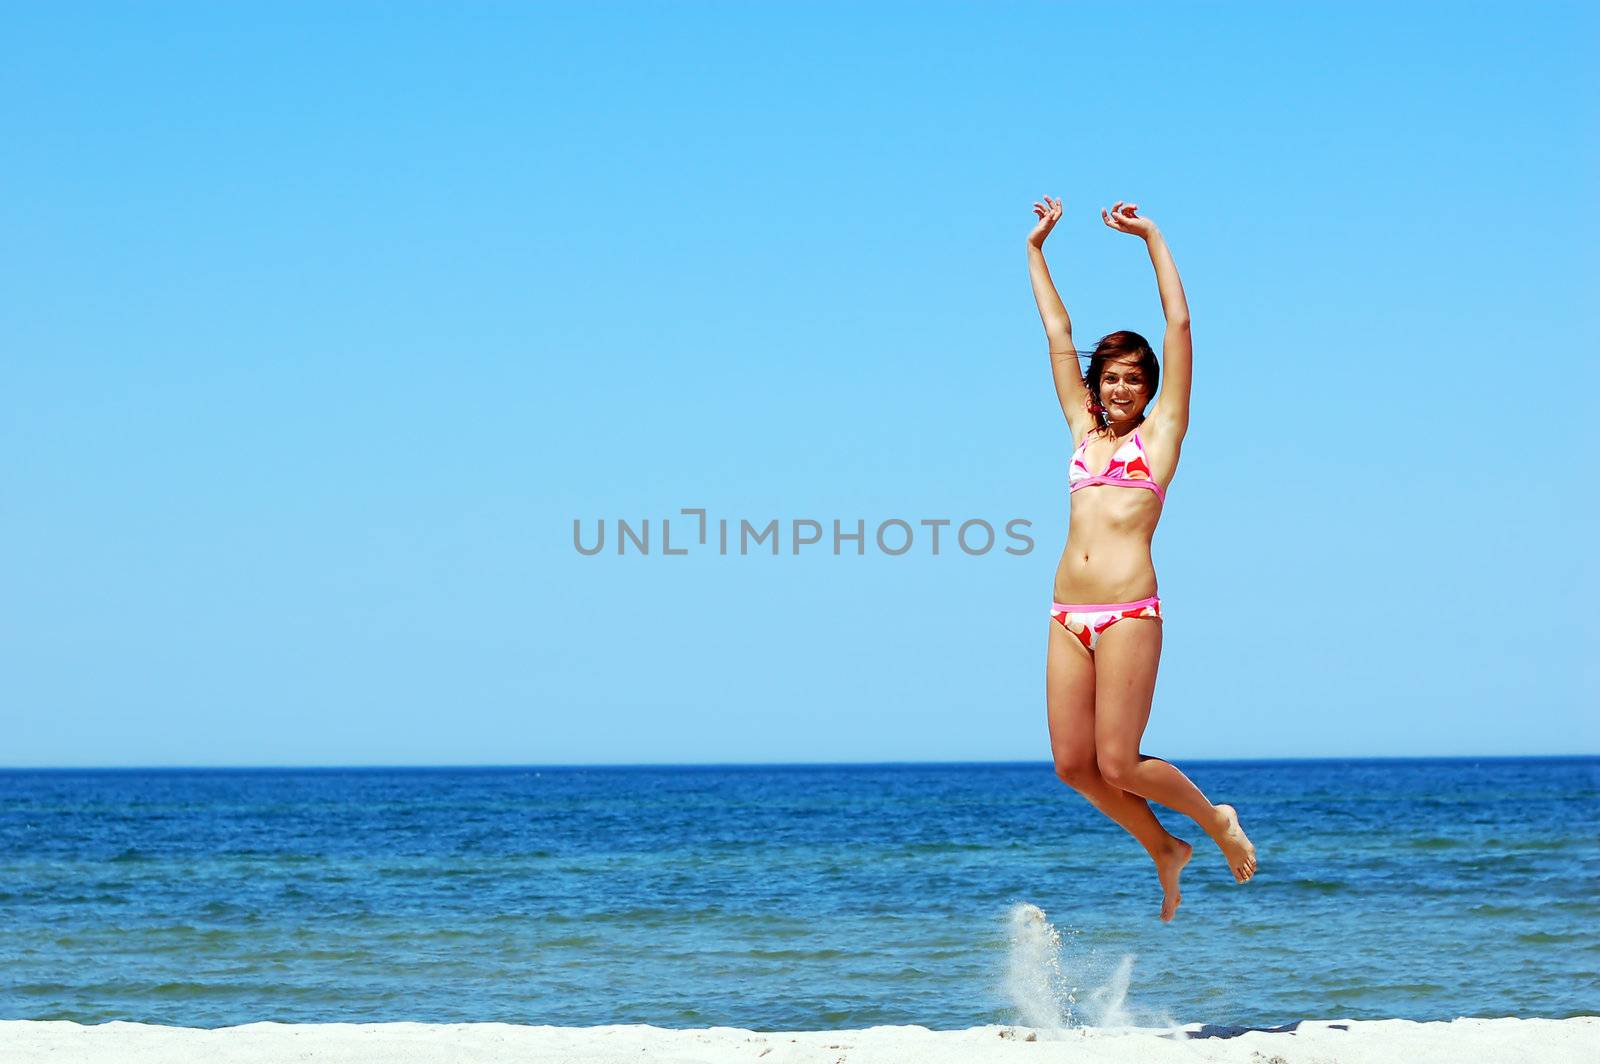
point(1479, 1041)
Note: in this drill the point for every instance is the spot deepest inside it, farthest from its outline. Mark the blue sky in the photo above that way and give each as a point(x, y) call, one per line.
point(323, 324)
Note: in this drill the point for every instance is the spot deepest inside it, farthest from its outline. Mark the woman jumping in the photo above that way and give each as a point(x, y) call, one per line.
point(1105, 626)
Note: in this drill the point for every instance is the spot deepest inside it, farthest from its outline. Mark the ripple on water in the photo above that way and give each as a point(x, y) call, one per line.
point(569, 941)
point(1436, 843)
point(1260, 929)
point(1540, 938)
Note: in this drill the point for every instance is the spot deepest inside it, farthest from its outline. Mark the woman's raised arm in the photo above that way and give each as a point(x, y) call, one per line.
point(1177, 348)
point(1057, 324)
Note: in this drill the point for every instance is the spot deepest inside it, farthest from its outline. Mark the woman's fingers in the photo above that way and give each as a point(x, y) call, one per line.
point(1122, 217)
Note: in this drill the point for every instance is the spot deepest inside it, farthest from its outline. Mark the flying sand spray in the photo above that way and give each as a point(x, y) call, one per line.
point(1045, 994)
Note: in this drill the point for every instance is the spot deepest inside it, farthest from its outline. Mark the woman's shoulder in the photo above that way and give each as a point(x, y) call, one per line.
point(1162, 431)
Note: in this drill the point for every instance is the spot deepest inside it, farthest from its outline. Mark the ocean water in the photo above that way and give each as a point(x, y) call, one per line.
point(795, 897)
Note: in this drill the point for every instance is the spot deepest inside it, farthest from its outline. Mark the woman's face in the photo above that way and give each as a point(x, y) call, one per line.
point(1123, 389)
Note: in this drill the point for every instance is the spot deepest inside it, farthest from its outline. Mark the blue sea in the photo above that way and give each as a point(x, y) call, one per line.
point(792, 897)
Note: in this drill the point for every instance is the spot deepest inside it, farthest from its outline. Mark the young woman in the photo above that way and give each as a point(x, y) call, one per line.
point(1105, 623)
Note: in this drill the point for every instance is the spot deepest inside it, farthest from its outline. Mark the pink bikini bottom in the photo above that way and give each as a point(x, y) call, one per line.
point(1089, 622)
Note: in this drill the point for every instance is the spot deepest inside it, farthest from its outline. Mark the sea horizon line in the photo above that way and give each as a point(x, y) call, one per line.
point(490, 767)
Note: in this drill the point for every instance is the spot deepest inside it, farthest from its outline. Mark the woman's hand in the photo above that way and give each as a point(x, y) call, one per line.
point(1123, 219)
point(1049, 213)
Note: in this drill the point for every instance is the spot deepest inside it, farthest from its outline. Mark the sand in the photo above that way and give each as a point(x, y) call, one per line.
point(1479, 1041)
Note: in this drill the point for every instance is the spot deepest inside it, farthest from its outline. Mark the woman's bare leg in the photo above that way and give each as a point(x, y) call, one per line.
point(1069, 690)
point(1126, 660)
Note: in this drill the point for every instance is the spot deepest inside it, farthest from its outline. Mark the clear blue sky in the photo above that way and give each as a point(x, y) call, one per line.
point(322, 323)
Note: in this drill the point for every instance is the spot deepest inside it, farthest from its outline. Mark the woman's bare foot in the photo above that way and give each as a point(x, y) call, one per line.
point(1236, 846)
point(1169, 863)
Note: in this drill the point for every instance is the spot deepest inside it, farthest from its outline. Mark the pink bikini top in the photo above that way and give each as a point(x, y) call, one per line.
point(1127, 469)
